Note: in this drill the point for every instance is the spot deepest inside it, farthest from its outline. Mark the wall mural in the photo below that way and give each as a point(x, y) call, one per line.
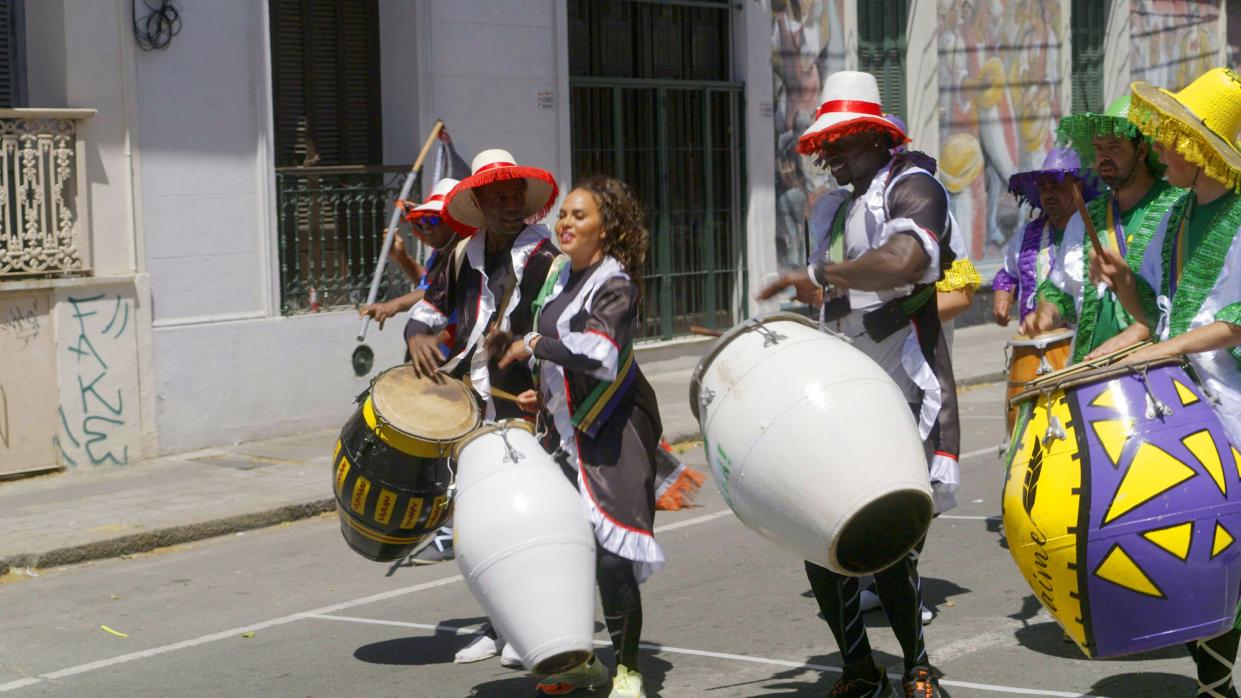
point(1173, 41)
point(1000, 94)
point(807, 45)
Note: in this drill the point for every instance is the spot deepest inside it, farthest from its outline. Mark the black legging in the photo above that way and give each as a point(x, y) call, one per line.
point(900, 590)
point(622, 604)
point(1215, 657)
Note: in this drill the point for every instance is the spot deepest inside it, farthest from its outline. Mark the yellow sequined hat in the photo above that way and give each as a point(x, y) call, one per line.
point(1201, 122)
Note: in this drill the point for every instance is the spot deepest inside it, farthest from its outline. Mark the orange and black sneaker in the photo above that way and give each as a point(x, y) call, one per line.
point(922, 683)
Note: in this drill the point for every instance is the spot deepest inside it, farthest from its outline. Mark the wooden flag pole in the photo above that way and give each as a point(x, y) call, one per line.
point(1081, 210)
point(394, 221)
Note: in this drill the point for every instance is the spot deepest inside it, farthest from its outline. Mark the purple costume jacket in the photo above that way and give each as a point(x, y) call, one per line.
point(1027, 261)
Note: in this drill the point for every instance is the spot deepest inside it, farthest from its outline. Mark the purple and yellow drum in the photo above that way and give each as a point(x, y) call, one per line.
point(1122, 505)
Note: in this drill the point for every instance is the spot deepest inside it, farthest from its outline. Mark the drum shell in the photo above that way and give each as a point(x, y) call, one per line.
point(526, 548)
point(813, 446)
point(388, 501)
point(1026, 360)
point(1117, 525)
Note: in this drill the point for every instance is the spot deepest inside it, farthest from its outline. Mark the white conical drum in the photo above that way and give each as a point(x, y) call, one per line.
point(812, 444)
point(525, 546)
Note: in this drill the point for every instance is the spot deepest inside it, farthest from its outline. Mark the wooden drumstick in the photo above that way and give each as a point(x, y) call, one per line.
point(704, 331)
point(1090, 229)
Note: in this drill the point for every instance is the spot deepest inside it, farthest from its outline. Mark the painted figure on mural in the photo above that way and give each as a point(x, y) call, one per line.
point(1172, 40)
point(998, 77)
point(806, 44)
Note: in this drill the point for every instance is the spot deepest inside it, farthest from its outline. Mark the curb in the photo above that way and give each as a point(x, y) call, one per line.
point(174, 535)
point(983, 378)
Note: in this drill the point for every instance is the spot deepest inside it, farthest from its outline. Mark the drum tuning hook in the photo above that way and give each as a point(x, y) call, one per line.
point(705, 396)
point(1055, 430)
point(511, 455)
point(770, 336)
point(1154, 406)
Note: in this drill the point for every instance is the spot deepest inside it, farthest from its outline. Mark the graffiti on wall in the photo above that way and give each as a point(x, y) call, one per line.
point(1173, 41)
point(807, 44)
point(97, 343)
point(1000, 97)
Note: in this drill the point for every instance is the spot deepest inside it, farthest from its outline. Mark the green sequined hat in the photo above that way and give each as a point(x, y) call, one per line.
point(1076, 130)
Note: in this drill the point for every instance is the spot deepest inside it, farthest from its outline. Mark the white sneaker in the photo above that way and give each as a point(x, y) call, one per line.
point(927, 615)
point(870, 600)
point(482, 647)
point(509, 657)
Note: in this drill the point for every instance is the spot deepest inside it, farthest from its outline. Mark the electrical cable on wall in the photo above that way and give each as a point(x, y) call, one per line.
point(162, 22)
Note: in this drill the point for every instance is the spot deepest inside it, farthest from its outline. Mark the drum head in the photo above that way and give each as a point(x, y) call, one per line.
point(728, 336)
point(433, 409)
point(1042, 339)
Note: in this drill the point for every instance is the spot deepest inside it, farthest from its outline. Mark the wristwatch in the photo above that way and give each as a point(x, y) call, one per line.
point(528, 340)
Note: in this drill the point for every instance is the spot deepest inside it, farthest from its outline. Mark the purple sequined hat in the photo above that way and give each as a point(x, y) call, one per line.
point(1058, 163)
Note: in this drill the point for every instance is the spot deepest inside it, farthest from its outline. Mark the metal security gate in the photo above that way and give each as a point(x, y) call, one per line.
point(679, 147)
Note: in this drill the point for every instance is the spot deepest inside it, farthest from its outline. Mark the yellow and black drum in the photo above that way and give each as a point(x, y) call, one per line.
point(391, 469)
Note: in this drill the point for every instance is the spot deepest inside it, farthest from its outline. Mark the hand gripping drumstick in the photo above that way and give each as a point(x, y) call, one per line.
point(394, 221)
point(1081, 210)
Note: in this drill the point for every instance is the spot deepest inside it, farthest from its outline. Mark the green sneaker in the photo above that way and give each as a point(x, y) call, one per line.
point(589, 674)
point(627, 684)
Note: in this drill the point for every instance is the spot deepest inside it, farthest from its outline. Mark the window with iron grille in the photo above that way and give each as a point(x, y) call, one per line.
point(881, 48)
point(654, 103)
point(332, 190)
point(1088, 22)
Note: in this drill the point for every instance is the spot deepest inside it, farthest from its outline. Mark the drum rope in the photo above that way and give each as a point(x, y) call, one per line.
point(1154, 406)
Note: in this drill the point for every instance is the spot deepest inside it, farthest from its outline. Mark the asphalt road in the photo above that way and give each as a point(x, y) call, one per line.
point(291, 611)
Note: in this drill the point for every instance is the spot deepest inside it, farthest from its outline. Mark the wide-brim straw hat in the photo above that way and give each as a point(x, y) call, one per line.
point(850, 105)
point(1201, 122)
point(1078, 131)
point(1058, 164)
point(461, 209)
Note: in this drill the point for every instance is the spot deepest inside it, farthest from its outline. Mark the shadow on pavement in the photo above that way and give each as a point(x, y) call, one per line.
point(1145, 683)
point(794, 683)
point(418, 650)
point(1049, 639)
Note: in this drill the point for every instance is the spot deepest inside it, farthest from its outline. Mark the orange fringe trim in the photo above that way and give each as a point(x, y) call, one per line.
point(681, 494)
point(812, 143)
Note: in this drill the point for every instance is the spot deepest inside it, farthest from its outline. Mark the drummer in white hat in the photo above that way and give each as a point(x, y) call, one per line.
point(427, 223)
point(878, 254)
point(486, 282)
point(491, 279)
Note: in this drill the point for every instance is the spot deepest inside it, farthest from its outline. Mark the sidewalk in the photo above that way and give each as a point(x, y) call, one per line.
point(105, 512)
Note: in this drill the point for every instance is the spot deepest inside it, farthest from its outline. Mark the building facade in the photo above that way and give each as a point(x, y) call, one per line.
point(197, 199)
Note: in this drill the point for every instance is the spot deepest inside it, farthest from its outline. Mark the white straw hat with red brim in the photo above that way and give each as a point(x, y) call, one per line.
point(461, 209)
point(850, 105)
point(435, 202)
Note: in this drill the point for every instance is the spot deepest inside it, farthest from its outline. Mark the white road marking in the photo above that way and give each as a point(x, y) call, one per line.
point(283, 620)
point(963, 517)
point(994, 450)
point(723, 655)
point(692, 522)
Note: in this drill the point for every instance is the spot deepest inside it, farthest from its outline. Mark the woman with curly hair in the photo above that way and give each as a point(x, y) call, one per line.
point(604, 419)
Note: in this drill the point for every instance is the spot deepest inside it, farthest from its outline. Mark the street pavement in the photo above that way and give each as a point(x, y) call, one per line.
point(290, 610)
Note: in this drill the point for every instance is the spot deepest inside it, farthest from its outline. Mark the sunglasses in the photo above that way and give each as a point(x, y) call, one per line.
point(428, 221)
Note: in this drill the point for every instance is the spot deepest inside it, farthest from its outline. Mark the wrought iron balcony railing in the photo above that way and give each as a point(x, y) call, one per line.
point(42, 229)
point(331, 222)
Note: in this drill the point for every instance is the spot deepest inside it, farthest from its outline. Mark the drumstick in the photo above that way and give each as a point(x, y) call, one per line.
point(1090, 230)
point(704, 331)
point(502, 394)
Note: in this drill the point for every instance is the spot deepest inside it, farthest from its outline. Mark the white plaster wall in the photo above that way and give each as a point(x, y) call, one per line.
point(398, 73)
point(752, 42)
point(27, 378)
point(236, 381)
point(487, 61)
point(198, 126)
